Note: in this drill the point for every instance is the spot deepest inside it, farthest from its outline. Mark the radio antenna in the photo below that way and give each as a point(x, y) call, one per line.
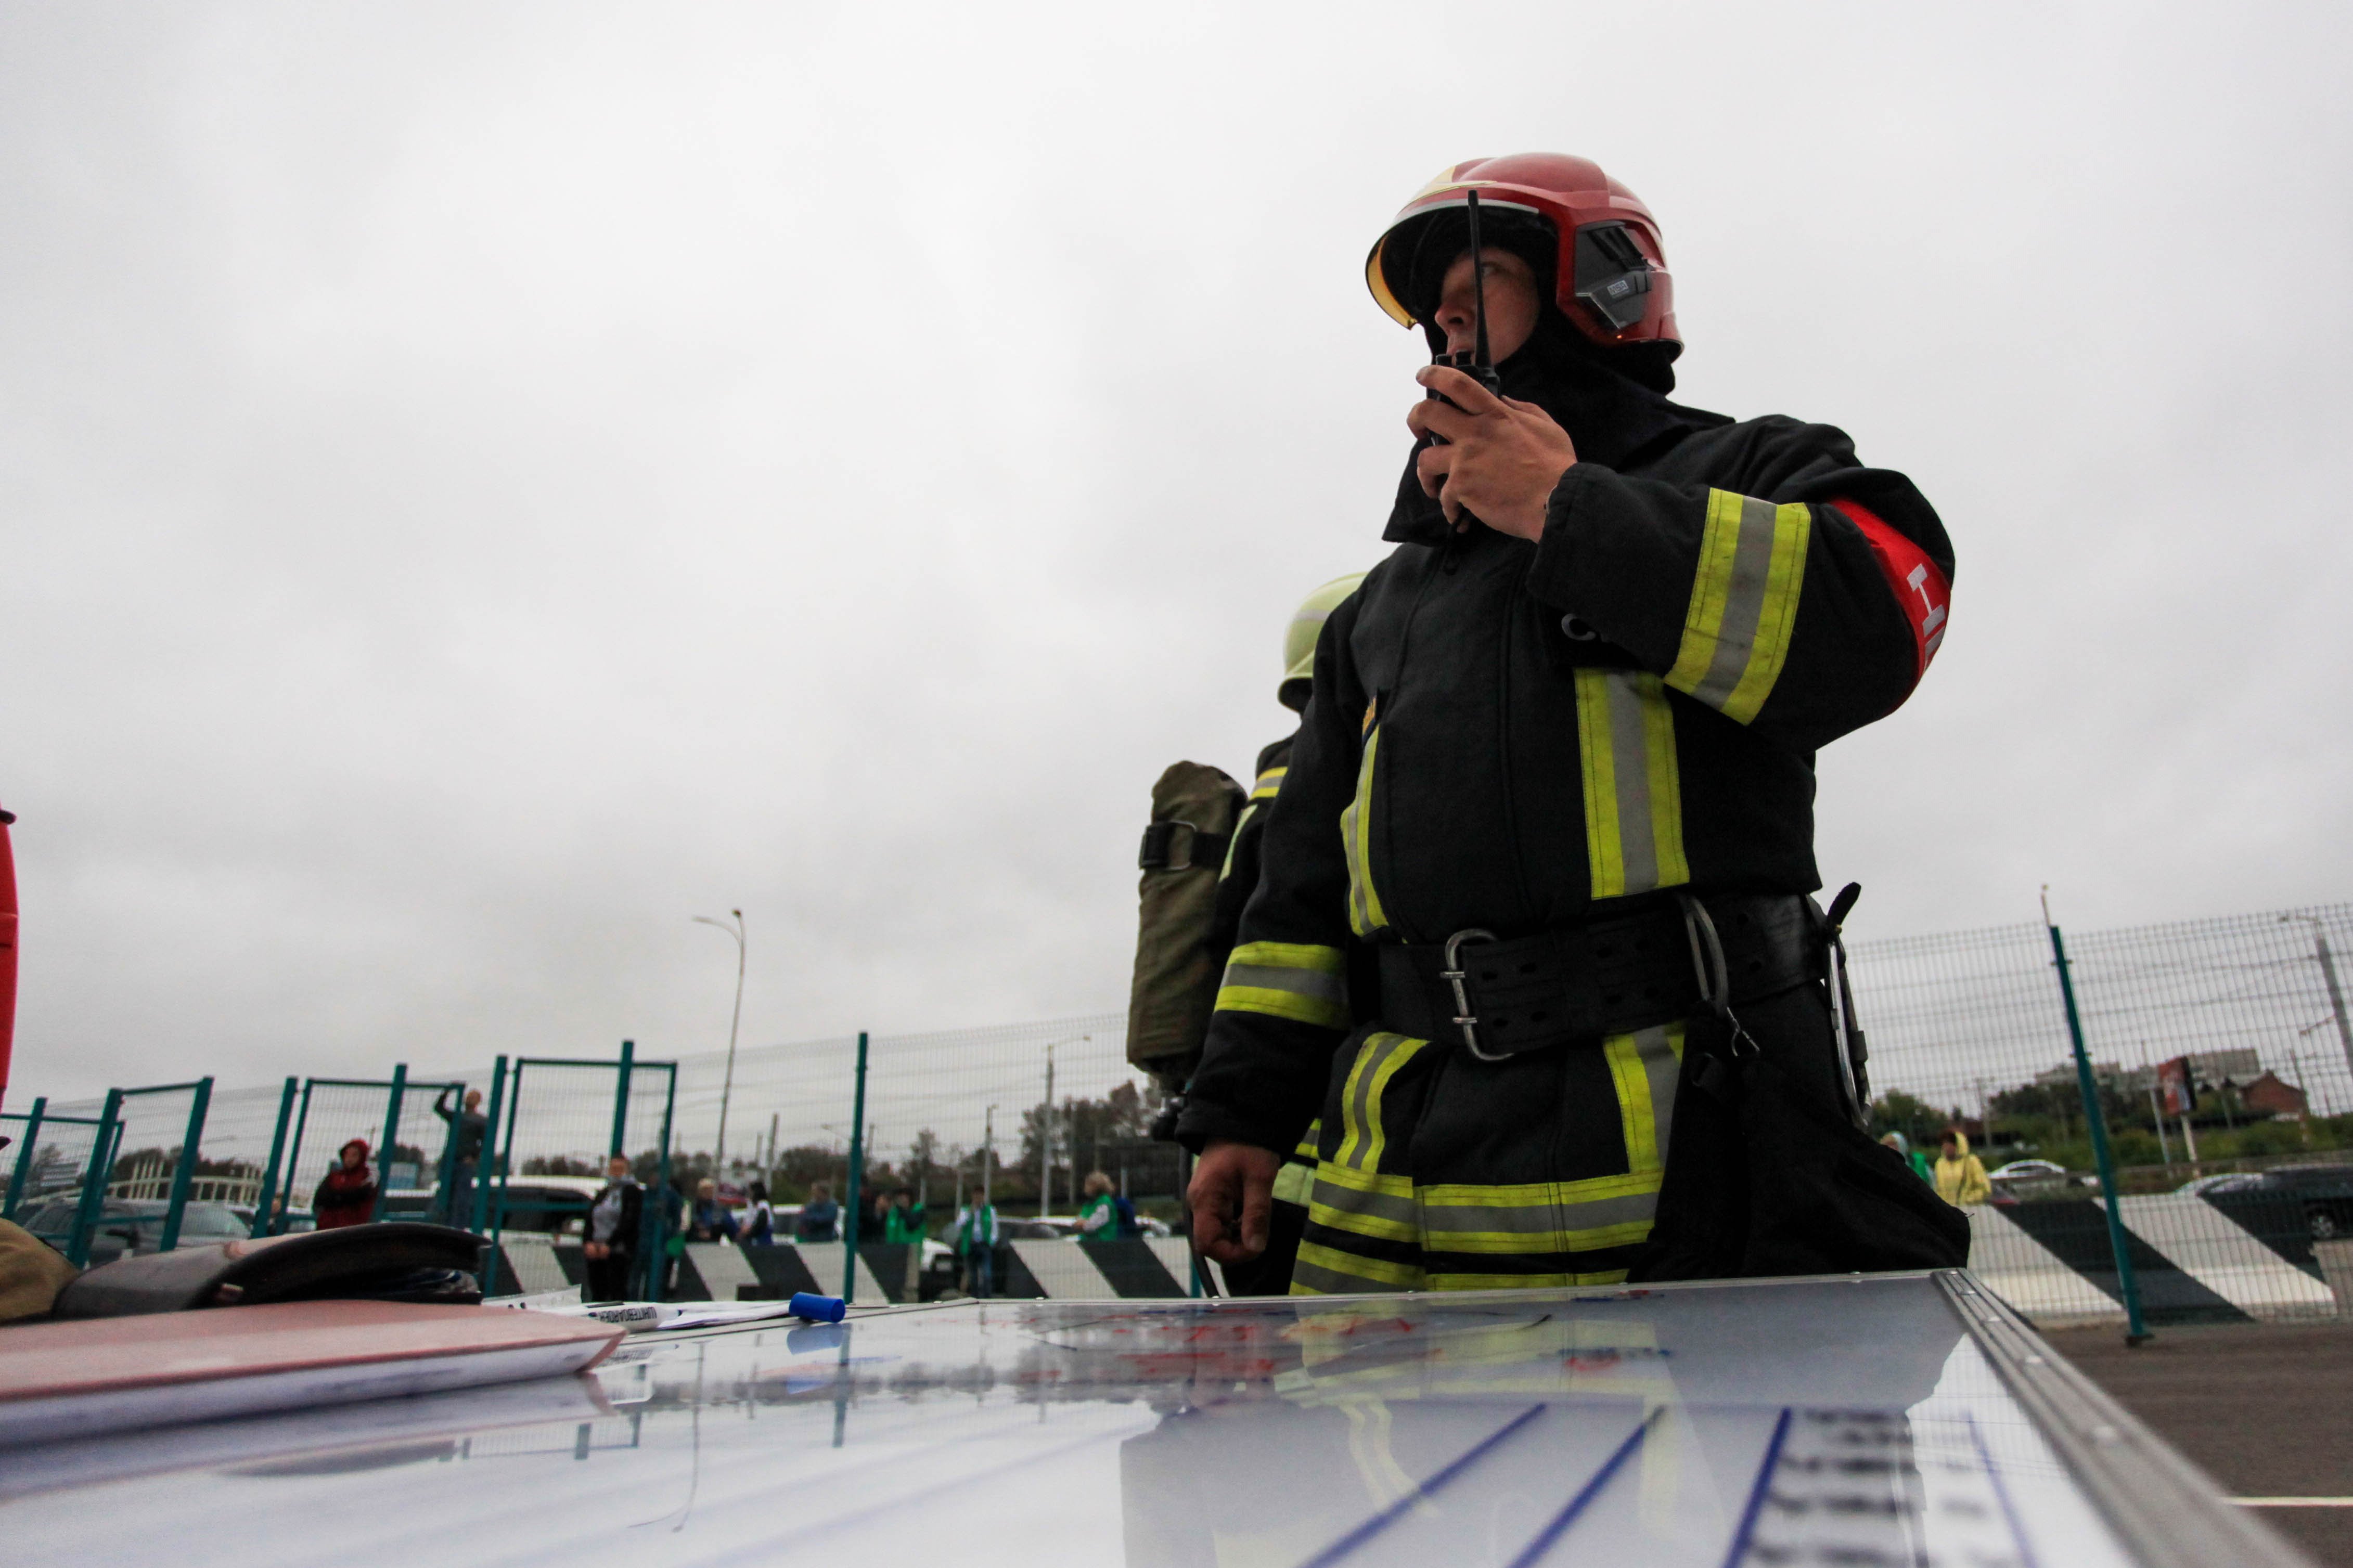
point(1478, 287)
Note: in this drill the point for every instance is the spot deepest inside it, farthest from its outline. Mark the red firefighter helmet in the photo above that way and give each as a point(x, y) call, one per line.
point(1615, 286)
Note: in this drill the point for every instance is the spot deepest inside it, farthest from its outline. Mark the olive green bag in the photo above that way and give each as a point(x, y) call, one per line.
point(1179, 956)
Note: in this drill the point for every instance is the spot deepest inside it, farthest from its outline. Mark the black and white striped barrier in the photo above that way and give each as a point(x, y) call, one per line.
point(2223, 1259)
point(2195, 1259)
point(1155, 1268)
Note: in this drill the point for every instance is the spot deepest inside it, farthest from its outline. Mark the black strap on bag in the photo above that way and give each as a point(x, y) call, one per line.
point(1180, 950)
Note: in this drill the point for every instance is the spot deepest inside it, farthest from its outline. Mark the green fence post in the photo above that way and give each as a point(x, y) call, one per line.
point(93, 1182)
point(498, 1209)
point(186, 1175)
point(487, 1163)
point(621, 1098)
point(25, 1158)
point(391, 1136)
point(294, 1160)
point(660, 1250)
point(857, 1168)
point(2135, 1332)
point(619, 1146)
point(267, 1199)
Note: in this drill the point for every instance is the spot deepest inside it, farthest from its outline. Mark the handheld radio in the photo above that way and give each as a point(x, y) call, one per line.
point(1472, 361)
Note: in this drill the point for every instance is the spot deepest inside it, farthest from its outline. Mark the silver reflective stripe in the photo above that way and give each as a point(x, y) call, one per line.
point(1662, 1065)
point(1743, 603)
point(1633, 786)
point(1308, 1276)
point(1363, 1129)
point(1314, 984)
point(1398, 1208)
point(1548, 1220)
point(1637, 842)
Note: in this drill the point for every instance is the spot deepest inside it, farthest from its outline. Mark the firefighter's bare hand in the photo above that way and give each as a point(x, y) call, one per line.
point(1233, 1198)
point(1501, 457)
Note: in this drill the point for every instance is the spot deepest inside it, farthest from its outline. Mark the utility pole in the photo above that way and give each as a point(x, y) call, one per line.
point(2329, 974)
point(1046, 1139)
point(727, 1090)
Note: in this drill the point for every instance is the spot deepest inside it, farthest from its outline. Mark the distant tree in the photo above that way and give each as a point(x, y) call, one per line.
point(1919, 1121)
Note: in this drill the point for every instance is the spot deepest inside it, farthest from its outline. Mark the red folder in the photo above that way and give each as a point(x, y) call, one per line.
point(64, 1379)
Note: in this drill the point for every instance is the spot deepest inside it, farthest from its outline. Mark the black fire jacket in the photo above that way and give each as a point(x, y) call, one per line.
point(1505, 734)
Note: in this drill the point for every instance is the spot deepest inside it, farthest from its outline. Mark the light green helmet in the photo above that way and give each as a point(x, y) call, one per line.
point(1299, 640)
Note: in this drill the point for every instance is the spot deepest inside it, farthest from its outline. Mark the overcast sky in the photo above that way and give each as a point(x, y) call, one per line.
point(484, 484)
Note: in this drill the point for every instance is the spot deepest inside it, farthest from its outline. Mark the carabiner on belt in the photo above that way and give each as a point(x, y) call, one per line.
point(1454, 974)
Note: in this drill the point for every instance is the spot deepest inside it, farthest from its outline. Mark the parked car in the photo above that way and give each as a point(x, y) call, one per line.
point(2022, 1179)
point(1010, 1229)
point(556, 1205)
point(2326, 1192)
point(2228, 1182)
point(128, 1226)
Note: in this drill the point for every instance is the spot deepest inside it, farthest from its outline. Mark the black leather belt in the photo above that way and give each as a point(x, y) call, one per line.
point(1607, 976)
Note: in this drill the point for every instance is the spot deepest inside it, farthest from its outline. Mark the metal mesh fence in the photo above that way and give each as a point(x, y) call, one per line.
point(2231, 1188)
point(1966, 1029)
point(51, 1166)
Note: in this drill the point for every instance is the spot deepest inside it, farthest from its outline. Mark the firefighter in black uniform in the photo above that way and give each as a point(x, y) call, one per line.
point(1532, 936)
point(1268, 1272)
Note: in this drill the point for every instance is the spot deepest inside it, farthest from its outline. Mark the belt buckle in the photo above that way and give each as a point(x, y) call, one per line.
point(1454, 974)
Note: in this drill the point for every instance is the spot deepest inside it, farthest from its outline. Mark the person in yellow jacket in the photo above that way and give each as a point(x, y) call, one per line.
point(1961, 1175)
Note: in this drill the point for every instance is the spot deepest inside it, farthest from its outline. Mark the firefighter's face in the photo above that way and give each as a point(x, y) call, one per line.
point(1511, 304)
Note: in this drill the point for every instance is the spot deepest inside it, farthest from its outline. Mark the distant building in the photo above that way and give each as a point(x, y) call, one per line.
point(2209, 1070)
point(2272, 1096)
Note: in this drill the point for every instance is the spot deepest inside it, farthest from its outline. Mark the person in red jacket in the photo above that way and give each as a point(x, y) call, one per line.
point(346, 1194)
point(1533, 910)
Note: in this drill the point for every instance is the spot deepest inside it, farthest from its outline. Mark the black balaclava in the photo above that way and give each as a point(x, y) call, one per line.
point(1611, 401)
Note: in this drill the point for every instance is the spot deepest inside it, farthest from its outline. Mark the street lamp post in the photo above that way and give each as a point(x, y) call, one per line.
point(727, 1090)
point(2328, 973)
point(987, 1137)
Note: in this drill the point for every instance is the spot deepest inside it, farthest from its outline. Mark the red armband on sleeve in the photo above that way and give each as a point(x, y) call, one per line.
point(1919, 588)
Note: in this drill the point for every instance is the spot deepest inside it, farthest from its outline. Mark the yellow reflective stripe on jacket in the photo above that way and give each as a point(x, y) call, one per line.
point(1234, 839)
point(1287, 980)
point(1540, 1216)
point(1519, 1282)
point(1326, 1271)
point(1311, 1142)
point(1295, 1185)
point(1633, 787)
point(1365, 916)
point(1270, 783)
point(1645, 1066)
point(1362, 1137)
point(1743, 603)
point(1365, 1203)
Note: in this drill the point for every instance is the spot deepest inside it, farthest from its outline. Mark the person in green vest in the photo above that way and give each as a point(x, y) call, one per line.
point(904, 1221)
point(1099, 1216)
point(975, 1241)
point(1913, 1157)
